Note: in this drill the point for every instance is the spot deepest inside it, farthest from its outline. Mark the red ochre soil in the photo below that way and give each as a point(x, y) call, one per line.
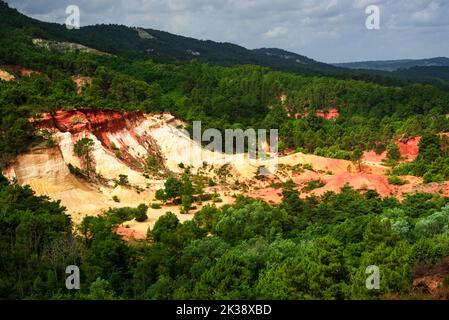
point(75, 121)
point(408, 147)
point(358, 181)
point(330, 114)
point(130, 234)
point(101, 124)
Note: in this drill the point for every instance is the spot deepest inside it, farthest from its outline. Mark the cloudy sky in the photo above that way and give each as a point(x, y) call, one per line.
point(326, 30)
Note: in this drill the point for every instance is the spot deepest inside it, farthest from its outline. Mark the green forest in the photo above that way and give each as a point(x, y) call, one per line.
point(313, 248)
point(317, 248)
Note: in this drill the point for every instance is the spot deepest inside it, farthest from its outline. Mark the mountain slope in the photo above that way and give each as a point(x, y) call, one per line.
point(161, 45)
point(165, 47)
point(393, 65)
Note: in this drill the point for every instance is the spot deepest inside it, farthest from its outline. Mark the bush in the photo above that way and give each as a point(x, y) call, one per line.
point(116, 199)
point(395, 180)
point(153, 165)
point(77, 172)
point(393, 152)
point(122, 180)
point(313, 184)
point(431, 177)
point(155, 206)
point(141, 213)
point(120, 215)
point(206, 196)
point(186, 203)
point(308, 166)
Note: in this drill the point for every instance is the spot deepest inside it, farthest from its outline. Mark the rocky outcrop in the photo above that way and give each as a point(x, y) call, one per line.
point(6, 76)
point(117, 143)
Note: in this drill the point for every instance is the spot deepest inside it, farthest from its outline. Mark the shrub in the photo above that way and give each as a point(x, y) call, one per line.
point(206, 196)
point(313, 184)
point(431, 177)
point(393, 152)
point(120, 215)
point(308, 166)
point(122, 180)
point(186, 203)
point(141, 213)
point(395, 180)
point(76, 171)
point(155, 206)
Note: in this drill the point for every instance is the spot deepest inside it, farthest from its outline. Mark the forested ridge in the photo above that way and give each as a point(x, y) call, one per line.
point(313, 248)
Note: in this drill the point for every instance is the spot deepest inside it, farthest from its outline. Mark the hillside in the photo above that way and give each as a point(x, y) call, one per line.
point(160, 45)
point(394, 65)
point(166, 47)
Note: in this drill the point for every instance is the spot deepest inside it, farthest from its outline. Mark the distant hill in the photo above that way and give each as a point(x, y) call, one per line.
point(161, 45)
point(393, 65)
point(166, 47)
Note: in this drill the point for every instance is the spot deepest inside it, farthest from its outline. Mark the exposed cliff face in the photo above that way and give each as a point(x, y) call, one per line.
point(45, 170)
point(6, 76)
point(122, 144)
point(11, 72)
point(118, 147)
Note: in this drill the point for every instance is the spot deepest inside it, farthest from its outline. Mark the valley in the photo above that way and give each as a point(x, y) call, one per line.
point(112, 164)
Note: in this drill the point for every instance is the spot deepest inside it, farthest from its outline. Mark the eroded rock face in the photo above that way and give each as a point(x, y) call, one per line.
point(6, 76)
point(118, 149)
point(45, 171)
point(117, 145)
point(42, 163)
point(330, 114)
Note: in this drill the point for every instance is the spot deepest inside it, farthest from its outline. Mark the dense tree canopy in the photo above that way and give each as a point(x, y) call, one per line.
point(316, 248)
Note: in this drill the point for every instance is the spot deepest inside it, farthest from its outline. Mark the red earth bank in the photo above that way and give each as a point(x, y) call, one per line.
point(408, 147)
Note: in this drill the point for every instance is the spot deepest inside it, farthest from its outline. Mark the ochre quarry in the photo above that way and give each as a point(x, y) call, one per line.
point(124, 141)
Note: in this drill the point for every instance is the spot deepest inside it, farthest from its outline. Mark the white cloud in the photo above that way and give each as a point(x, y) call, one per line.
point(276, 32)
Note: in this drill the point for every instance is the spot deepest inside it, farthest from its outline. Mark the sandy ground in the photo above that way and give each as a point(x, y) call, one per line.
point(138, 230)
